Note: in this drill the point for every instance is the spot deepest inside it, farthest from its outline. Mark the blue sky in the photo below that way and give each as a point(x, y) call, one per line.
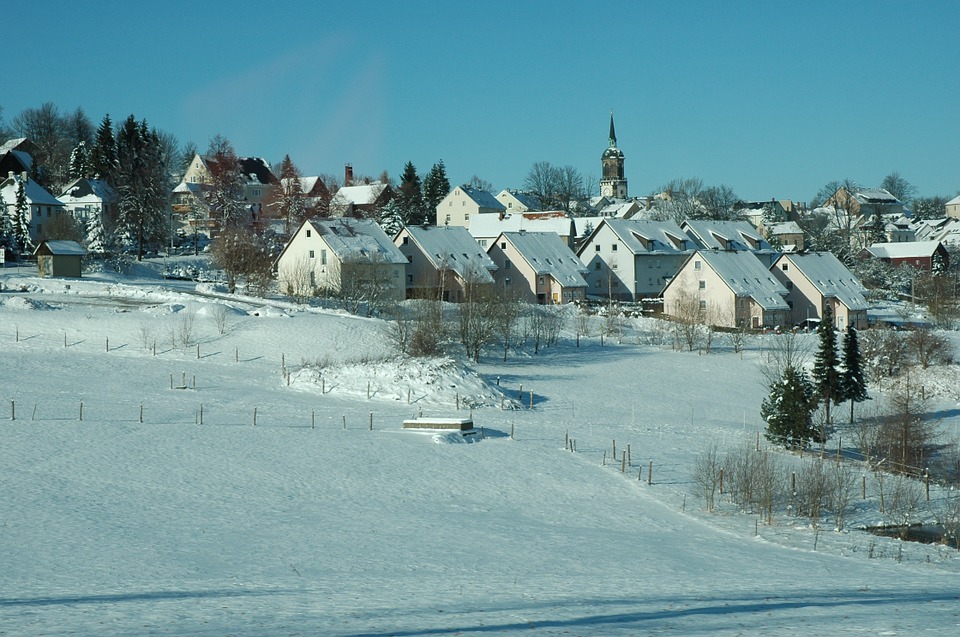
point(772, 99)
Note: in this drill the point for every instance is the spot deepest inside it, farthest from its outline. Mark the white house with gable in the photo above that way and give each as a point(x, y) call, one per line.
point(538, 267)
point(444, 262)
point(464, 203)
point(726, 289)
point(330, 255)
point(817, 280)
point(42, 207)
point(632, 259)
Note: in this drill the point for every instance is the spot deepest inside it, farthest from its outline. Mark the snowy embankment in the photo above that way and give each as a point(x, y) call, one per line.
point(300, 506)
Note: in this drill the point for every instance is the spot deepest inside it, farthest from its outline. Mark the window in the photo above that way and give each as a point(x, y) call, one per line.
point(256, 192)
point(503, 245)
point(506, 281)
point(541, 281)
point(323, 257)
point(308, 233)
point(598, 247)
point(703, 285)
point(448, 219)
point(506, 264)
point(311, 254)
point(466, 216)
point(482, 242)
point(406, 240)
point(703, 304)
point(697, 265)
point(614, 247)
point(784, 267)
point(509, 204)
point(613, 266)
point(596, 266)
point(409, 279)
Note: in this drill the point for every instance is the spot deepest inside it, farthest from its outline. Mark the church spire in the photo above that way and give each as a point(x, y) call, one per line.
point(613, 133)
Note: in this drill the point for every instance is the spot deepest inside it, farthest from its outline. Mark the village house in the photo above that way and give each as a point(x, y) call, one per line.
point(953, 208)
point(926, 256)
point(538, 267)
point(339, 255)
point(486, 228)
point(632, 259)
point(519, 201)
point(730, 236)
point(316, 195)
point(463, 204)
point(42, 207)
point(726, 289)
point(788, 235)
point(16, 156)
point(866, 202)
point(256, 175)
point(443, 262)
point(817, 280)
point(87, 199)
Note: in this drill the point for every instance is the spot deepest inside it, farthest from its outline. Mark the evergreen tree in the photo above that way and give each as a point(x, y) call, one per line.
point(410, 205)
point(826, 374)
point(6, 226)
point(390, 218)
point(788, 408)
point(436, 186)
point(79, 161)
point(103, 155)
point(851, 372)
point(21, 222)
point(141, 184)
point(95, 235)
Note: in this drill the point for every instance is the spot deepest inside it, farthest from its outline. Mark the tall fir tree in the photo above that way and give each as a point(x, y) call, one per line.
point(21, 223)
point(436, 186)
point(95, 236)
point(6, 226)
point(390, 218)
point(79, 161)
point(826, 373)
point(852, 380)
point(410, 205)
point(103, 155)
point(141, 185)
point(787, 410)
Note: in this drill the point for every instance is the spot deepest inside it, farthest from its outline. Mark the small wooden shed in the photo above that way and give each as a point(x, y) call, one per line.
point(59, 258)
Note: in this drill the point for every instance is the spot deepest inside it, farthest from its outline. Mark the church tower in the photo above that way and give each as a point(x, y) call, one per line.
point(612, 183)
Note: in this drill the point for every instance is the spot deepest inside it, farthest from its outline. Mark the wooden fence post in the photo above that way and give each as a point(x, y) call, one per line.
point(371, 421)
point(201, 413)
point(650, 473)
point(13, 410)
point(254, 416)
point(141, 412)
point(81, 411)
point(313, 419)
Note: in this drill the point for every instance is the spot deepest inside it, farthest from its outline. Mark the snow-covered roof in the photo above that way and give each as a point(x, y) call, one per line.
point(643, 236)
point(491, 225)
point(904, 249)
point(548, 255)
point(620, 208)
point(483, 198)
point(362, 195)
point(954, 202)
point(357, 240)
point(61, 248)
point(526, 199)
point(726, 235)
point(875, 195)
point(22, 157)
point(746, 276)
point(785, 227)
point(452, 248)
point(34, 192)
point(88, 190)
point(11, 144)
point(829, 276)
point(188, 186)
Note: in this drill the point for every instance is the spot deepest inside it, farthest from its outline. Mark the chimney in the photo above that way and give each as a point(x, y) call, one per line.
point(348, 175)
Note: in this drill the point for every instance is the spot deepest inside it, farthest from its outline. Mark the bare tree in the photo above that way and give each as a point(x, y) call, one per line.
point(928, 347)
point(707, 474)
point(906, 432)
point(903, 502)
point(242, 256)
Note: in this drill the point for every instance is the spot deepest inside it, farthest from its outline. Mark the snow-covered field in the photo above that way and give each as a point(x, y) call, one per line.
point(300, 507)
